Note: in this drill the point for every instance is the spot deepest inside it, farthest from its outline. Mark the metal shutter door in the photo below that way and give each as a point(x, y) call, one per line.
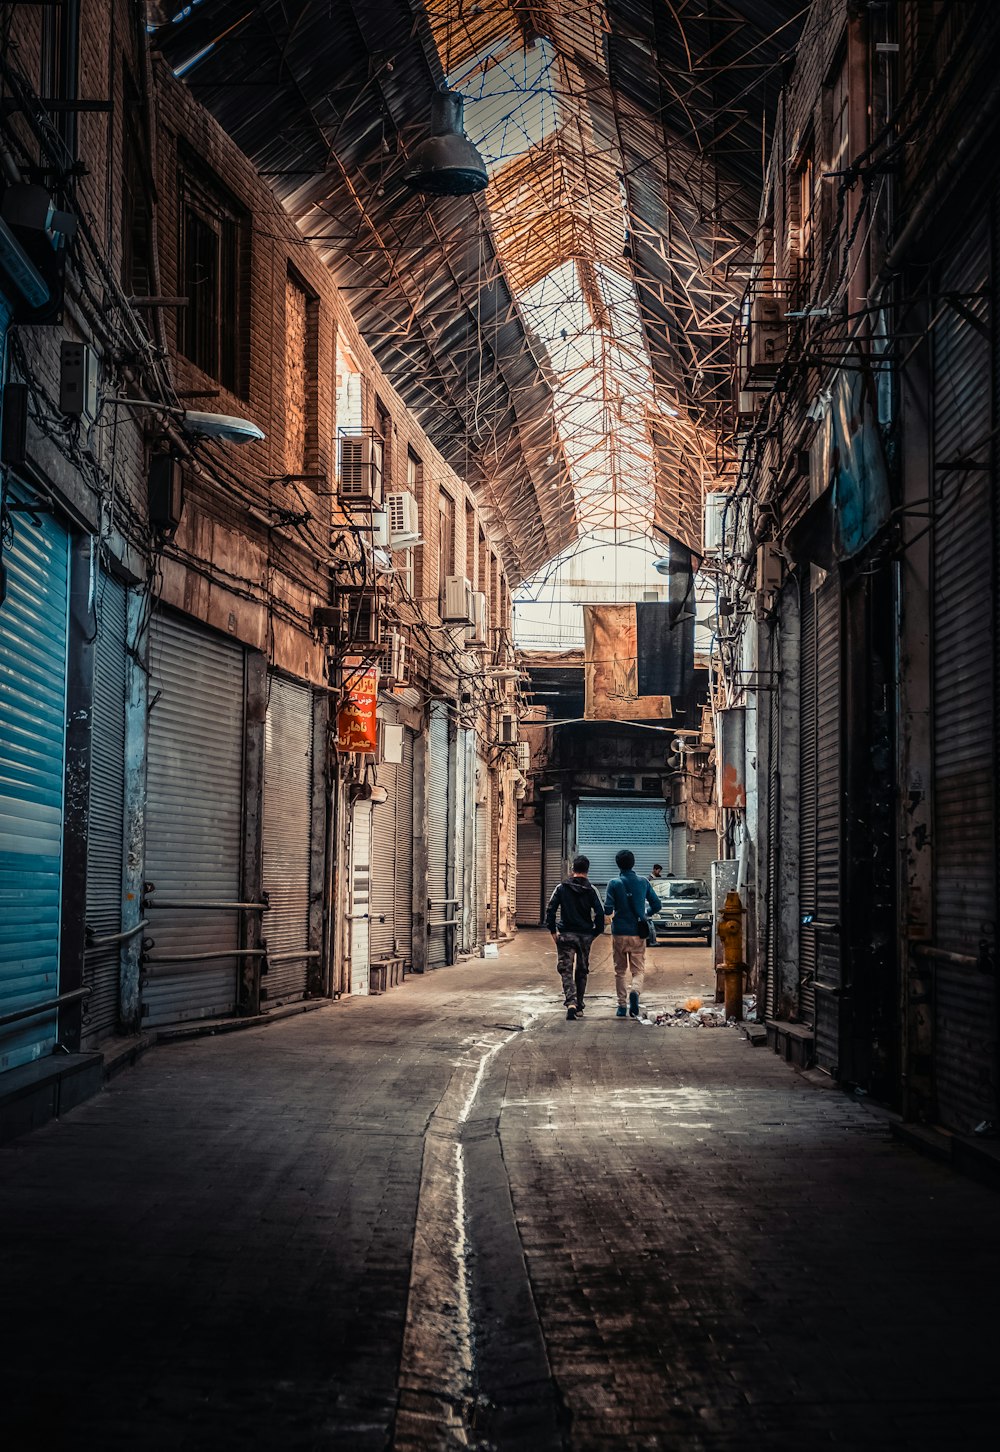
point(465, 865)
point(360, 946)
point(287, 838)
point(552, 846)
point(404, 850)
point(382, 918)
point(106, 814)
point(482, 864)
point(829, 819)
point(438, 801)
point(194, 820)
point(529, 874)
point(33, 636)
point(604, 825)
point(807, 806)
point(963, 709)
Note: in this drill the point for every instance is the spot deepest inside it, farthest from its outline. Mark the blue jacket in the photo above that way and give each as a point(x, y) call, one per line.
point(628, 896)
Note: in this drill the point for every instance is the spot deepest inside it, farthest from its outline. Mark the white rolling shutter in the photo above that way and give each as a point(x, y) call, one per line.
point(287, 839)
point(439, 796)
point(382, 919)
point(404, 850)
point(359, 945)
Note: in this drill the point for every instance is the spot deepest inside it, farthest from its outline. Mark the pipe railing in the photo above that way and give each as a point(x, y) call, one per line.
point(97, 943)
point(49, 1006)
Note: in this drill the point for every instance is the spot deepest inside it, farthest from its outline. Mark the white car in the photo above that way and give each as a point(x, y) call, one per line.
point(685, 908)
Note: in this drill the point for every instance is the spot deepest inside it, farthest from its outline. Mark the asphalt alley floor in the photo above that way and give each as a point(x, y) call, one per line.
point(446, 1217)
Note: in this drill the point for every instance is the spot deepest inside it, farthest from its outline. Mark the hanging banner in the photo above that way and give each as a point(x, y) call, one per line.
point(357, 727)
point(730, 736)
point(637, 659)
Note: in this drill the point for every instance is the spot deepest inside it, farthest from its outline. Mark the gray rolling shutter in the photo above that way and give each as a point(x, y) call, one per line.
point(194, 820)
point(404, 850)
point(529, 874)
point(606, 824)
point(552, 846)
point(106, 814)
point(382, 922)
point(807, 807)
point(287, 838)
point(439, 796)
point(33, 640)
point(482, 863)
point(964, 726)
point(829, 825)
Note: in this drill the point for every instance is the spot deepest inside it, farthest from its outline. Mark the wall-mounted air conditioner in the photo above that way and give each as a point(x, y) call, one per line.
point(769, 568)
point(404, 520)
point(717, 541)
point(508, 728)
point(390, 743)
point(354, 623)
point(457, 606)
point(476, 633)
point(523, 757)
point(399, 659)
point(768, 334)
point(359, 472)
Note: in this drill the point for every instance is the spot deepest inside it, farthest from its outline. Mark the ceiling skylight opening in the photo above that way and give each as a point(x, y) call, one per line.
point(510, 99)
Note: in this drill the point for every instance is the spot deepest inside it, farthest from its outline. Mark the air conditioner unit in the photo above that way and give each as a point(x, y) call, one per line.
point(390, 743)
point(404, 520)
point(508, 728)
point(358, 622)
point(457, 601)
point(476, 633)
point(523, 757)
point(715, 513)
point(768, 334)
point(399, 662)
point(359, 479)
point(768, 568)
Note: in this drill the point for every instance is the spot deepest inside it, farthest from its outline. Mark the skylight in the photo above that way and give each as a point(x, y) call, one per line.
point(510, 99)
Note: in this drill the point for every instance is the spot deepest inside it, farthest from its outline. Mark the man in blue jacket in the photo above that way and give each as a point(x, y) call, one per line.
point(581, 920)
point(628, 897)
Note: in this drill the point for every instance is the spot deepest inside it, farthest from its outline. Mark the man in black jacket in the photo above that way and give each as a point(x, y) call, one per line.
point(581, 920)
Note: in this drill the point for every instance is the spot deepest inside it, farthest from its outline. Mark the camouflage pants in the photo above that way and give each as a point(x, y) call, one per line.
point(573, 965)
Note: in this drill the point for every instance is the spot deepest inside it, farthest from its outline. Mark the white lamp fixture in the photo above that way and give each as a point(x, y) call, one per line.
point(221, 426)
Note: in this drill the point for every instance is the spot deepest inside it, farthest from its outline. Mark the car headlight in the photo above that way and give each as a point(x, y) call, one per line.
point(703, 917)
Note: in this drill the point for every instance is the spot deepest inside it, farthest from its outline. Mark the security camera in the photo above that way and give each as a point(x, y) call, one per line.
point(221, 426)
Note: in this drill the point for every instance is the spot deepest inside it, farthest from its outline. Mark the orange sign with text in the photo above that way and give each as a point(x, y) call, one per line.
point(356, 720)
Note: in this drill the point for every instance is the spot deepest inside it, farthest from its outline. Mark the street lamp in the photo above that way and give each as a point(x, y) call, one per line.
point(222, 426)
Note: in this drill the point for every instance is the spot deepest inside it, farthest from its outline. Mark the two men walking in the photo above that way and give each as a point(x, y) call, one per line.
point(580, 914)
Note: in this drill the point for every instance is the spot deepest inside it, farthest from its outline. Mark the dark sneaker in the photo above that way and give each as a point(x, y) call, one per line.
point(621, 1011)
point(633, 1004)
point(571, 1010)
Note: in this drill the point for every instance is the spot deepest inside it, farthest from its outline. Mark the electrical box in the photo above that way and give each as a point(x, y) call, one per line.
point(508, 728)
point(457, 606)
point(14, 425)
point(166, 493)
point(78, 381)
point(390, 743)
point(768, 568)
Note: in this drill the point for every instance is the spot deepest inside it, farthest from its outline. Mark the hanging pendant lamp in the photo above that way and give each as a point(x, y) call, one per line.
point(446, 164)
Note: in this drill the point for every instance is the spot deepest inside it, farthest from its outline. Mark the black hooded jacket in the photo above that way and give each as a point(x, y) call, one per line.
point(579, 907)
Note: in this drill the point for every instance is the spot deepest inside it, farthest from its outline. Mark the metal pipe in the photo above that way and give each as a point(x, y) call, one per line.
point(116, 938)
point(447, 923)
point(291, 957)
point(205, 957)
point(243, 907)
point(942, 955)
point(47, 1007)
point(443, 901)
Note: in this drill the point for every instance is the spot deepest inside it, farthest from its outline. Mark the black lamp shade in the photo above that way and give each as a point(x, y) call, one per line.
point(446, 164)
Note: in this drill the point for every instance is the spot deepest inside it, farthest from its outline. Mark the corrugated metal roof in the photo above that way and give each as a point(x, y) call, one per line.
point(652, 175)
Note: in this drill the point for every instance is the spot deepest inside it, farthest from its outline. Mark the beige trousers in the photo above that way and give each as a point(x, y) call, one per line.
point(629, 954)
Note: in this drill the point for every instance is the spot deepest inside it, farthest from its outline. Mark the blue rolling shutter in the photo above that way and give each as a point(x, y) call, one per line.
point(606, 824)
point(33, 634)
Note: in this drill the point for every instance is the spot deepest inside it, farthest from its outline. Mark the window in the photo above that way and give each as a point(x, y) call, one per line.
point(348, 391)
point(446, 540)
point(301, 377)
point(213, 326)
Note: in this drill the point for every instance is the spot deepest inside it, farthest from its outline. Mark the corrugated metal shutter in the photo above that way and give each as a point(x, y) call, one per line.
point(604, 825)
point(382, 922)
point(439, 798)
point(829, 824)
point(529, 874)
point(33, 637)
point(194, 819)
point(552, 847)
point(287, 838)
point(807, 805)
point(106, 815)
point(360, 942)
point(482, 863)
point(404, 850)
point(964, 726)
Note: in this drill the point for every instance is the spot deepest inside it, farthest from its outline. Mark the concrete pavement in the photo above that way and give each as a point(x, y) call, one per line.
point(446, 1217)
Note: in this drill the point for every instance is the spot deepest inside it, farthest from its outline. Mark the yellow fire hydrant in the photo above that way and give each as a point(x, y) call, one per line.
point(730, 930)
